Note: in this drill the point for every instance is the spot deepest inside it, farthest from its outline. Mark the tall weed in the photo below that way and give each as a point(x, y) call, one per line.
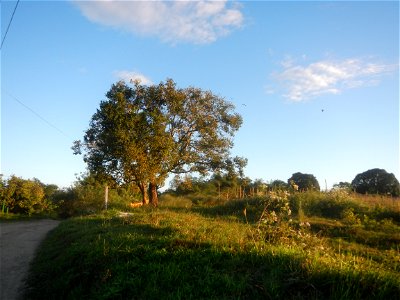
point(328, 205)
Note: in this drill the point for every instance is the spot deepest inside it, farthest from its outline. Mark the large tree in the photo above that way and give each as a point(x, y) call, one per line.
point(304, 181)
point(140, 134)
point(376, 181)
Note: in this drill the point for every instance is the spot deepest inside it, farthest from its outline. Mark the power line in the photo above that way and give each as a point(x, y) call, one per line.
point(37, 115)
point(9, 24)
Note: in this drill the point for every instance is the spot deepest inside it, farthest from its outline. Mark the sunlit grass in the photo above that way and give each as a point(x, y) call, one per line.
point(229, 251)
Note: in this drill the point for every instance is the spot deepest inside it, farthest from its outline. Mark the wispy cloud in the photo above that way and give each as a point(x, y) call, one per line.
point(302, 82)
point(196, 22)
point(130, 76)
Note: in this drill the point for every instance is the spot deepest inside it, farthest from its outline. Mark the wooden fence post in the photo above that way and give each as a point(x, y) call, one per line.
point(106, 196)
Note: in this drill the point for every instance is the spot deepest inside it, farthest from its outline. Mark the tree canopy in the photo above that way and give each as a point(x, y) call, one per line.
point(141, 134)
point(278, 185)
point(343, 186)
point(376, 181)
point(26, 196)
point(304, 181)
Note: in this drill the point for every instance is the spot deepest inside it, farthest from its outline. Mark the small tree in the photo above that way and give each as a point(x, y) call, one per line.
point(278, 185)
point(258, 187)
point(376, 181)
point(304, 181)
point(346, 186)
point(182, 185)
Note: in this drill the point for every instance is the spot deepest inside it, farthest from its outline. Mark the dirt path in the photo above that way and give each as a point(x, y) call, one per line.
point(18, 242)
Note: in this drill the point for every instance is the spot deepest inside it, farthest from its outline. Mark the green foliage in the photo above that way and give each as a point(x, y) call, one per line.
point(340, 214)
point(141, 134)
point(327, 205)
point(87, 196)
point(187, 184)
point(25, 196)
point(275, 217)
point(278, 185)
point(343, 186)
point(376, 181)
point(304, 182)
point(218, 188)
point(349, 217)
point(172, 201)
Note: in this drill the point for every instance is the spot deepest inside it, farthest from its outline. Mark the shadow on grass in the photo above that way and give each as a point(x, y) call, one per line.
point(379, 239)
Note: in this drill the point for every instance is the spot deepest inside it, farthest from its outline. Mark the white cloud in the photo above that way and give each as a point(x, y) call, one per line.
point(196, 22)
point(328, 77)
point(129, 76)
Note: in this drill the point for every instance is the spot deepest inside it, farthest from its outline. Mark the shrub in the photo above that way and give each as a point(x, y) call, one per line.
point(349, 217)
point(87, 197)
point(24, 196)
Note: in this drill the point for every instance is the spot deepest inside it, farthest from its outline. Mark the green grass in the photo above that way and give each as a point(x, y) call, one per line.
point(11, 217)
point(180, 251)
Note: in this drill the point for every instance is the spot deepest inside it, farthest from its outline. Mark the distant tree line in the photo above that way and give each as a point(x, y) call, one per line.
point(86, 195)
point(232, 185)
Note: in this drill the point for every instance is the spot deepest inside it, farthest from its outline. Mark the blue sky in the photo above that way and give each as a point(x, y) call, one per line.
point(317, 83)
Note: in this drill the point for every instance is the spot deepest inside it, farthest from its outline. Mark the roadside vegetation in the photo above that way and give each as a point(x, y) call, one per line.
point(30, 198)
point(26, 198)
point(284, 244)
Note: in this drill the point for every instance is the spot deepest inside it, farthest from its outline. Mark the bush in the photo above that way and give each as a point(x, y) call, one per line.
point(24, 196)
point(87, 196)
point(349, 217)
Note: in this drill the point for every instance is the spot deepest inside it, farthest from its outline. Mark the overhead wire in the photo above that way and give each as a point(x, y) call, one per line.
point(15, 98)
point(37, 114)
point(9, 24)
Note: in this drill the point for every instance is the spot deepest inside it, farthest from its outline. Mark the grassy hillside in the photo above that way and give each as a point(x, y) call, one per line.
point(308, 245)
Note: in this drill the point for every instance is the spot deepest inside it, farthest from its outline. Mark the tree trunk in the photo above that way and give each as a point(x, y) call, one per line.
point(153, 194)
point(143, 190)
